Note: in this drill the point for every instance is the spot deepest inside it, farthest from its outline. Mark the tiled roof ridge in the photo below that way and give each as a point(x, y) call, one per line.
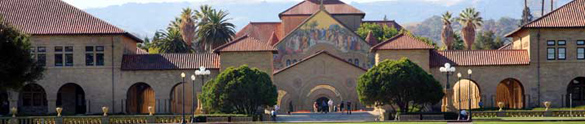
point(169, 61)
point(479, 57)
point(315, 55)
point(546, 15)
point(393, 39)
point(543, 17)
point(216, 50)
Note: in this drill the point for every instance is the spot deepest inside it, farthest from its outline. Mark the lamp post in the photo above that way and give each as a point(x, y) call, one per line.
point(448, 70)
point(469, 93)
point(459, 96)
point(183, 99)
point(203, 72)
point(193, 94)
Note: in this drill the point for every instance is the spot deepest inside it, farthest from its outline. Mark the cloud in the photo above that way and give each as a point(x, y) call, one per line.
point(85, 4)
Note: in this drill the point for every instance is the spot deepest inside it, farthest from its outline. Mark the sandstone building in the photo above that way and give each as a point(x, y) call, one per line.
point(312, 53)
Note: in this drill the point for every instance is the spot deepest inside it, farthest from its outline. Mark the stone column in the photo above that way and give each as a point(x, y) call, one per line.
point(447, 103)
point(51, 105)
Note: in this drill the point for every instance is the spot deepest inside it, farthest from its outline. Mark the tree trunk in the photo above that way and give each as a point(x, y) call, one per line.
point(468, 33)
point(447, 37)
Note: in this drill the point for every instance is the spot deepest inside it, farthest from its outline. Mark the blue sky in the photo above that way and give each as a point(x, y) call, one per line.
point(144, 17)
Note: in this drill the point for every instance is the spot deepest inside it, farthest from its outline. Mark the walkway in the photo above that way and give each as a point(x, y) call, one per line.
point(329, 117)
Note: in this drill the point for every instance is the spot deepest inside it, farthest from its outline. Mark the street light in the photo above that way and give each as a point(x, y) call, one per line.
point(469, 93)
point(183, 103)
point(203, 72)
point(448, 70)
point(459, 96)
point(193, 94)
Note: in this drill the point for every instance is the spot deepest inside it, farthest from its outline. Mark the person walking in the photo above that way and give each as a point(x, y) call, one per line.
point(341, 107)
point(315, 107)
point(330, 105)
point(290, 107)
point(349, 107)
point(324, 107)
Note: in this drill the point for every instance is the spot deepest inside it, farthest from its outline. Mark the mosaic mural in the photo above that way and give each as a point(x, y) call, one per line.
point(321, 29)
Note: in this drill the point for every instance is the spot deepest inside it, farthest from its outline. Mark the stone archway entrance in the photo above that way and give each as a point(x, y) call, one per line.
point(139, 97)
point(71, 98)
point(461, 96)
point(32, 100)
point(322, 103)
point(177, 101)
point(319, 93)
point(511, 92)
point(576, 91)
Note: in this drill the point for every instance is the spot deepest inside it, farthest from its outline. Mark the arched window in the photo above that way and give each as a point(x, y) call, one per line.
point(350, 60)
point(288, 62)
point(33, 95)
point(357, 62)
point(294, 61)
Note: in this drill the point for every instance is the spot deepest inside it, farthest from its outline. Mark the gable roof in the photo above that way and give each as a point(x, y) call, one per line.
point(262, 31)
point(402, 42)
point(54, 17)
point(245, 44)
point(570, 15)
point(479, 57)
point(313, 16)
point(175, 61)
point(308, 7)
point(315, 55)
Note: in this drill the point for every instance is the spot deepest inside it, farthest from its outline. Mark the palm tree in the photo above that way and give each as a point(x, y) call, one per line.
point(447, 33)
point(171, 41)
point(187, 26)
point(470, 20)
point(214, 28)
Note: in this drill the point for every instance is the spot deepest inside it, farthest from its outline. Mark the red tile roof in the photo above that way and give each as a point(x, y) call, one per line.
point(479, 57)
point(371, 39)
point(176, 61)
point(54, 17)
point(315, 55)
point(245, 44)
point(262, 31)
point(389, 23)
point(402, 42)
point(570, 15)
point(308, 7)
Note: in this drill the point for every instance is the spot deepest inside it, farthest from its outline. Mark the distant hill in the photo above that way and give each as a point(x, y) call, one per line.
point(433, 26)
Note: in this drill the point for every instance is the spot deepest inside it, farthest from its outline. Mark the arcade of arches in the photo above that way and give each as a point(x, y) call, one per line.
point(140, 96)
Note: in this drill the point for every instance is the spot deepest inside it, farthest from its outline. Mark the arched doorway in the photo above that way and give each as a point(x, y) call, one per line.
point(177, 99)
point(511, 92)
point(576, 91)
point(4, 103)
point(320, 92)
point(139, 97)
point(322, 103)
point(71, 98)
point(32, 100)
point(461, 91)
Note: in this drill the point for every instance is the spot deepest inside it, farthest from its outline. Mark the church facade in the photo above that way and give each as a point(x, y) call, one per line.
point(312, 54)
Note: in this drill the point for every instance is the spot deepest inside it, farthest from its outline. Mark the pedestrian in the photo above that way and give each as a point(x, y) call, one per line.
point(273, 113)
point(463, 115)
point(324, 107)
point(348, 107)
point(341, 107)
point(276, 108)
point(330, 104)
point(315, 107)
point(290, 107)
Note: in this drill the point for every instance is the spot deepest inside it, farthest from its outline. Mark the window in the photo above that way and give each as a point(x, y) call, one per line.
point(89, 56)
point(550, 53)
point(581, 42)
point(42, 56)
point(550, 43)
point(68, 55)
point(58, 55)
point(294, 61)
point(99, 55)
point(580, 53)
point(357, 62)
point(287, 62)
point(350, 60)
point(562, 43)
point(562, 53)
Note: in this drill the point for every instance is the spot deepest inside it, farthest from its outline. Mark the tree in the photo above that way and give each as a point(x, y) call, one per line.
point(17, 64)
point(401, 83)
point(214, 28)
point(187, 26)
point(239, 91)
point(526, 14)
point(487, 40)
point(458, 44)
point(381, 32)
point(447, 33)
point(470, 19)
point(171, 41)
